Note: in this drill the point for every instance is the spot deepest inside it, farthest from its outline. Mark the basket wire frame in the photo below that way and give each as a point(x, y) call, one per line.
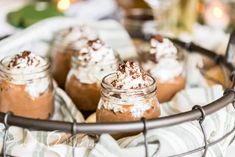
point(145, 137)
point(74, 141)
point(200, 120)
point(8, 118)
point(4, 144)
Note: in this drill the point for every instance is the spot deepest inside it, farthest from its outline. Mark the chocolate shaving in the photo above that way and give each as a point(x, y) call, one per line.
point(129, 69)
point(114, 83)
point(91, 43)
point(116, 96)
point(159, 38)
point(25, 55)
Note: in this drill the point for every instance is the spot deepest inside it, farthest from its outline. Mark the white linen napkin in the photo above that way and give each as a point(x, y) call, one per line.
point(38, 37)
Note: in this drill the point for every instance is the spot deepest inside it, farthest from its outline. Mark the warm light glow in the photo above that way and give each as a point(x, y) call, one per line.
point(200, 8)
point(216, 15)
point(218, 12)
point(63, 5)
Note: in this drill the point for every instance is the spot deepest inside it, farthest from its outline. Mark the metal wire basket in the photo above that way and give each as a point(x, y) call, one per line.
point(197, 113)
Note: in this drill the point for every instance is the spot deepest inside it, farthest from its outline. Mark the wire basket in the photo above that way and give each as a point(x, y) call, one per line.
point(197, 113)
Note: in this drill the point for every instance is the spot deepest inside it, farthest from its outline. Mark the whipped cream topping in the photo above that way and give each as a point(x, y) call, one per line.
point(166, 69)
point(76, 37)
point(27, 69)
point(162, 48)
point(25, 62)
point(94, 61)
point(130, 76)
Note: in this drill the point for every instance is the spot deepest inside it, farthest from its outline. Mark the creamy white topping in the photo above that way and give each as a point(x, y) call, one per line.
point(26, 69)
point(76, 37)
point(25, 62)
point(162, 48)
point(166, 69)
point(167, 66)
point(95, 60)
point(130, 76)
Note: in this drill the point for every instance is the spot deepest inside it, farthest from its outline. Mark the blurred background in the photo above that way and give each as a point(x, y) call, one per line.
point(190, 20)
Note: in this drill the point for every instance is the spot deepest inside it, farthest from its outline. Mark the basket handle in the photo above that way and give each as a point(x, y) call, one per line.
point(230, 51)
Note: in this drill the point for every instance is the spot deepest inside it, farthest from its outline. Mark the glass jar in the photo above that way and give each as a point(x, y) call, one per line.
point(118, 105)
point(66, 43)
point(26, 93)
point(83, 82)
point(61, 61)
point(168, 70)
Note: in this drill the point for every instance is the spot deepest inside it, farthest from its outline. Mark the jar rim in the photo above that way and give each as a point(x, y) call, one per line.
point(57, 43)
point(106, 85)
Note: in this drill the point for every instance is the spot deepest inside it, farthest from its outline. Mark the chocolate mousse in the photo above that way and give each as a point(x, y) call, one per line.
point(26, 86)
point(128, 95)
point(67, 42)
point(162, 61)
point(89, 66)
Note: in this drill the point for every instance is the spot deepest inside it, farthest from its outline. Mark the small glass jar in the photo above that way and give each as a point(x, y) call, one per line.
point(163, 70)
point(26, 93)
point(83, 83)
point(118, 105)
point(61, 61)
point(66, 43)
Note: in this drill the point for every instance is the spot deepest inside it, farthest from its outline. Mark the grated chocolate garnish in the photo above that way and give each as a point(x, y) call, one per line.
point(159, 38)
point(130, 75)
point(28, 58)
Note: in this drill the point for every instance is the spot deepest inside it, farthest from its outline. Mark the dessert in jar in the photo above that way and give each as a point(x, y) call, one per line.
point(89, 66)
point(162, 60)
point(127, 95)
point(26, 86)
point(67, 42)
